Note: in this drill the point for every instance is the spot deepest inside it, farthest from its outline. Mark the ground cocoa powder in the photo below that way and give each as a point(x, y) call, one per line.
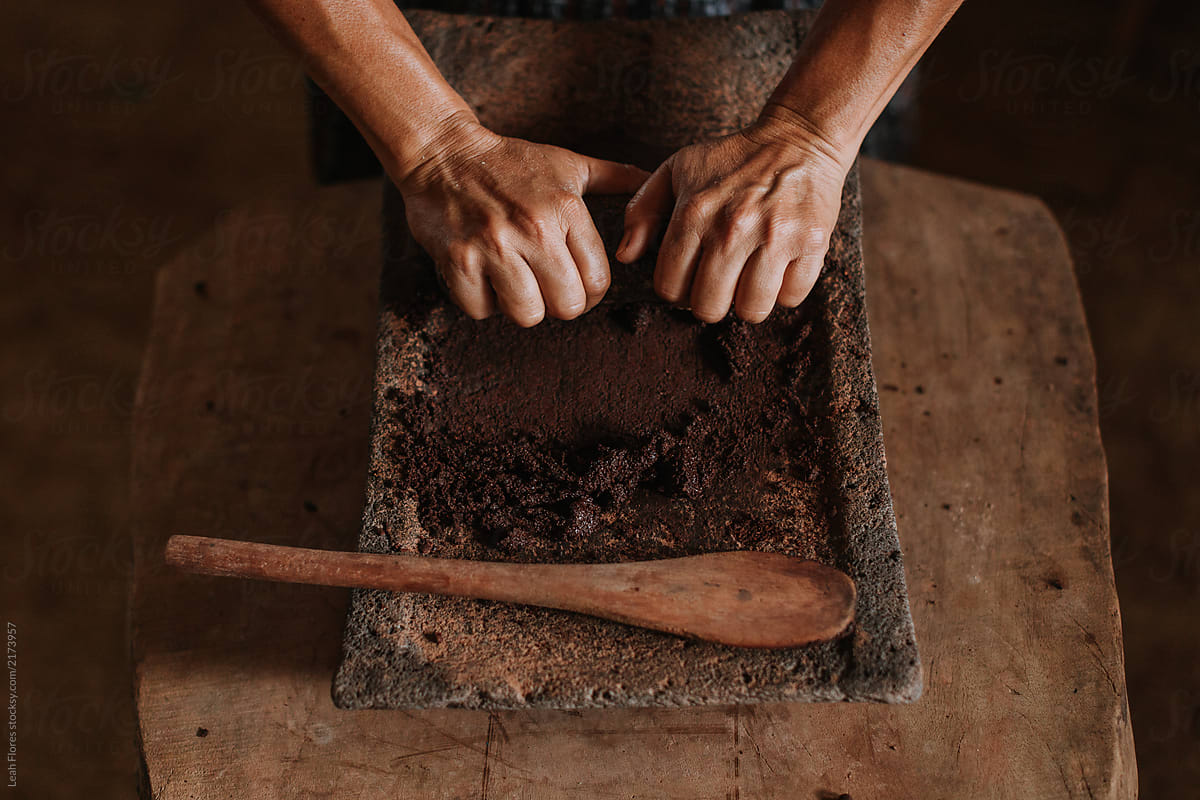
point(632, 432)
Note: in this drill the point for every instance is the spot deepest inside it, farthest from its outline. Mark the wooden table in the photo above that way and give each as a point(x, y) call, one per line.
point(251, 422)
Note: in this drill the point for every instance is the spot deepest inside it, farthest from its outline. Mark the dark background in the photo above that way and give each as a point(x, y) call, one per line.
point(129, 128)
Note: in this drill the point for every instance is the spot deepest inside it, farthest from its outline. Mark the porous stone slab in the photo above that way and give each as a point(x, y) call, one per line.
point(634, 91)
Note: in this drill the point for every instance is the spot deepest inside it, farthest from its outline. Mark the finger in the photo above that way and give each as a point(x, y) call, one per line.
point(758, 287)
point(517, 292)
point(558, 279)
point(679, 253)
point(477, 302)
point(587, 250)
point(798, 280)
point(645, 213)
point(717, 275)
point(802, 272)
point(609, 177)
point(465, 283)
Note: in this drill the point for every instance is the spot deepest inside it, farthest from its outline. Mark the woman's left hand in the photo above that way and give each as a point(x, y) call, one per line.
point(750, 216)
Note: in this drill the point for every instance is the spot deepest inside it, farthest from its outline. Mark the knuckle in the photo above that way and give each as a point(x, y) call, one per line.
point(706, 200)
point(597, 283)
point(784, 231)
point(506, 272)
point(738, 225)
point(554, 270)
point(566, 299)
point(495, 235)
point(693, 214)
point(460, 258)
point(667, 287)
point(526, 314)
point(816, 238)
point(569, 202)
point(536, 227)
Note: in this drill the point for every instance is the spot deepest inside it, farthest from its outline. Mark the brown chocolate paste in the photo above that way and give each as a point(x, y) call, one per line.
point(634, 431)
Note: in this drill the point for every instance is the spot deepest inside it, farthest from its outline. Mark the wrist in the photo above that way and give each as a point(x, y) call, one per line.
point(853, 60)
point(781, 123)
point(411, 162)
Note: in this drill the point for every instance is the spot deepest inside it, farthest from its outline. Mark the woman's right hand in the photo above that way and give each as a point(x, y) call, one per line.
point(505, 222)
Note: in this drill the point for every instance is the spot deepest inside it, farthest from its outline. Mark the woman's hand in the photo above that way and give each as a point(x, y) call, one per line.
point(504, 221)
point(750, 217)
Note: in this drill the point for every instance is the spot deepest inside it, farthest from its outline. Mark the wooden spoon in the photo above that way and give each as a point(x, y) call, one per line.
point(741, 598)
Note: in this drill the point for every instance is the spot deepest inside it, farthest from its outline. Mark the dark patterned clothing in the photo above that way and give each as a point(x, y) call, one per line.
point(340, 153)
point(605, 9)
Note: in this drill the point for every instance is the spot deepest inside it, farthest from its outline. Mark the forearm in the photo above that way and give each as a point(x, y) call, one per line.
point(365, 55)
point(852, 62)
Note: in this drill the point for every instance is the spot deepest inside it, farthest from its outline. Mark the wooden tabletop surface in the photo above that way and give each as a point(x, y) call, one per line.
point(251, 422)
